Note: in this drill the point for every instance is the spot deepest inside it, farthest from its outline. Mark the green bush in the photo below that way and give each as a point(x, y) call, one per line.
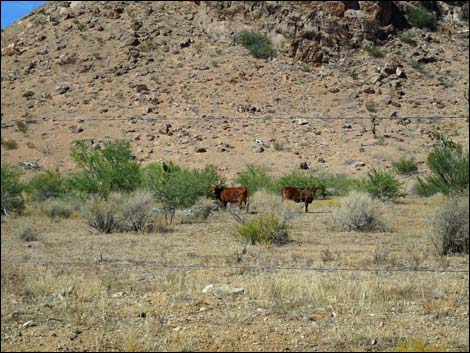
point(12, 189)
point(338, 184)
point(295, 178)
point(449, 166)
point(374, 51)
point(408, 38)
point(105, 170)
point(264, 228)
point(417, 345)
point(418, 66)
point(451, 226)
point(177, 187)
point(405, 165)
point(420, 17)
point(255, 178)
point(359, 212)
point(258, 44)
point(49, 184)
point(383, 185)
point(9, 144)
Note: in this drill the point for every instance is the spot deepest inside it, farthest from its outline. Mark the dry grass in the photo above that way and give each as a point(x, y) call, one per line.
point(112, 301)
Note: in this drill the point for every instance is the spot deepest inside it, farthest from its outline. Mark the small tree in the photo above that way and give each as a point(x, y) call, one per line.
point(105, 170)
point(11, 189)
point(255, 178)
point(178, 187)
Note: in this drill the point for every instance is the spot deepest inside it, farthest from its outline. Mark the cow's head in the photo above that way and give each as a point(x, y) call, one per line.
point(215, 189)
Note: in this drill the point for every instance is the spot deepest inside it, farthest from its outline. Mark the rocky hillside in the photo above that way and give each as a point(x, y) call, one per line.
point(170, 77)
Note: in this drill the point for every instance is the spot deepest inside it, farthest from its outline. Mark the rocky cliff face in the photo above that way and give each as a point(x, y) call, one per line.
point(318, 32)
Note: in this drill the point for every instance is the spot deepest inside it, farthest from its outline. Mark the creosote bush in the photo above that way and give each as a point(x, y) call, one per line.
point(405, 165)
point(449, 165)
point(419, 17)
point(46, 185)
point(384, 185)
point(258, 44)
point(451, 226)
point(359, 212)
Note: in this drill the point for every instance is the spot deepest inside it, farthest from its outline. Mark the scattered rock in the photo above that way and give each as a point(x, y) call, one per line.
point(68, 58)
point(304, 165)
point(62, 88)
point(200, 150)
point(222, 290)
point(165, 128)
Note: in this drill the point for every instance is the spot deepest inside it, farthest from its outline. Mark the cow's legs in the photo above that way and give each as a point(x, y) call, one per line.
point(306, 207)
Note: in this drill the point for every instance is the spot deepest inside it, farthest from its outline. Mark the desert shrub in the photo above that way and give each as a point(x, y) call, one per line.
point(176, 187)
point(371, 106)
point(450, 226)
point(384, 185)
point(200, 211)
point(359, 212)
point(12, 189)
point(255, 178)
point(265, 201)
point(49, 184)
point(28, 94)
point(135, 211)
point(21, 126)
point(258, 44)
point(418, 66)
point(449, 166)
point(102, 213)
point(9, 144)
point(374, 51)
point(265, 228)
point(417, 345)
point(105, 170)
point(338, 184)
point(26, 233)
point(405, 165)
point(295, 178)
point(54, 208)
point(465, 12)
point(408, 38)
point(420, 17)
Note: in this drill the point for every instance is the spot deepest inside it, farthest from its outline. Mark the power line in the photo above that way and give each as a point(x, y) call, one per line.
point(130, 263)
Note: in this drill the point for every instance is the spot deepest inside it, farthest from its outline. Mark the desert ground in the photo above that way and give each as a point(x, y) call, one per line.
point(74, 289)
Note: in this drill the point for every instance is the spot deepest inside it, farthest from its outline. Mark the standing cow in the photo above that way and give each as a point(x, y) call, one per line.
point(299, 195)
point(226, 195)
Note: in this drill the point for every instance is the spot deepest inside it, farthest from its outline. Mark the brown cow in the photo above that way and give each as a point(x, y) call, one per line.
point(299, 194)
point(226, 195)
